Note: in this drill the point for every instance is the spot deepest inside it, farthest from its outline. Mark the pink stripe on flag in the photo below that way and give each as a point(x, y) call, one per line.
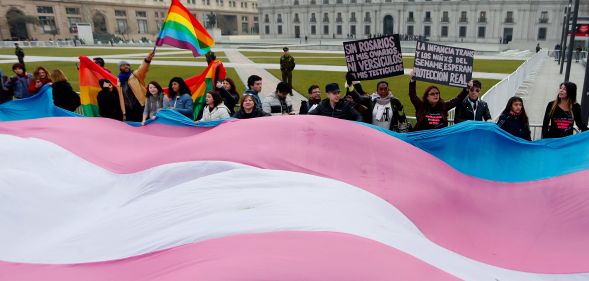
point(269, 256)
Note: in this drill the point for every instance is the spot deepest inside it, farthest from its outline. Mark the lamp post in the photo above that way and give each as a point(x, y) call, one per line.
point(566, 31)
point(562, 37)
point(572, 41)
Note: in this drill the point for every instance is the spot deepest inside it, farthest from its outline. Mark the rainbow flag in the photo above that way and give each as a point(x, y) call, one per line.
point(90, 74)
point(182, 30)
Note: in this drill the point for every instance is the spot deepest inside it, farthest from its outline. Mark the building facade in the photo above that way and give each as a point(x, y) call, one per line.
point(438, 20)
point(125, 19)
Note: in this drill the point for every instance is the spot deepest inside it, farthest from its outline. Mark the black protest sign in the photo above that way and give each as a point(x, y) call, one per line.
point(374, 58)
point(443, 64)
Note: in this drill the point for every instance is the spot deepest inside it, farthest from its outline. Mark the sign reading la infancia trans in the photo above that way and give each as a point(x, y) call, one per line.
point(374, 58)
point(443, 64)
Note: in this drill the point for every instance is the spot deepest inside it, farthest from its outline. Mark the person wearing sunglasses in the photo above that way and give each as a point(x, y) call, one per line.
point(472, 108)
point(431, 110)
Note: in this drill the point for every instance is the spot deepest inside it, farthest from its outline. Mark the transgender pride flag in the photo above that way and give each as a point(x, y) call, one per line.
point(294, 198)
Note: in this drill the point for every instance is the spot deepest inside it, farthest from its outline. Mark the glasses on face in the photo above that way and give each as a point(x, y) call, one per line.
point(475, 90)
point(434, 94)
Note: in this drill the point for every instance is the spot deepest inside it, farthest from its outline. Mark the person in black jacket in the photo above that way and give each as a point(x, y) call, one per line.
point(249, 109)
point(385, 110)
point(432, 111)
point(562, 113)
point(314, 100)
point(514, 119)
point(472, 108)
point(229, 93)
point(63, 94)
point(334, 106)
point(109, 104)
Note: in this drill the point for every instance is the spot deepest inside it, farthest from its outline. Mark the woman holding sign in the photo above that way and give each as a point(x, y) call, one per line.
point(432, 111)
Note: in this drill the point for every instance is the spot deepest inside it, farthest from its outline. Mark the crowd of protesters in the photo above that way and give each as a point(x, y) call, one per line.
point(131, 100)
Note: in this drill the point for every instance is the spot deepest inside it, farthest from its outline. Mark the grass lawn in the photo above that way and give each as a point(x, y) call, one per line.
point(76, 52)
point(292, 53)
point(399, 85)
point(160, 73)
point(480, 65)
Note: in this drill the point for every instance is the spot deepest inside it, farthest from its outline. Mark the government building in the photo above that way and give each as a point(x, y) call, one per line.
point(123, 19)
point(473, 21)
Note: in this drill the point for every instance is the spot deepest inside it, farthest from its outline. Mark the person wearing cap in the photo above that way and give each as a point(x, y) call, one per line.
point(19, 83)
point(472, 108)
point(132, 90)
point(384, 109)
point(287, 65)
point(279, 102)
point(20, 54)
point(334, 106)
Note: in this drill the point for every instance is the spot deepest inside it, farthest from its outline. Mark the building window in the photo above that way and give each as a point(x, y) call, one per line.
point(542, 33)
point(544, 17)
point(483, 17)
point(244, 27)
point(267, 29)
point(296, 18)
point(313, 30)
point(44, 10)
point(122, 26)
point(509, 17)
point(462, 31)
point(120, 13)
point(444, 32)
point(255, 19)
point(353, 17)
point(463, 18)
point(326, 30)
point(313, 2)
point(481, 33)
point(410, 30)
point(339, 18)
point(141, 26)
point(366, 29)
point(427, 31)
point(48, 24)
point(279, 18)
point(367, 17)
point(352, 1)
point(159, 24)
point(266, 18)
point(296, 2)
point(141, 14)
point(72, 23)
point(313, 19)
point(445, 17)
point(339, 1)
point(352, 29)
point(339, 29)
point(325, 2)
point(428, 17)
point(325, 17)
point(410, 18)
point(280, 29)
point(72, 11)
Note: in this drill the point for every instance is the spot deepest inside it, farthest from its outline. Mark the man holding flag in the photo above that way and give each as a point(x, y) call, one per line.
point(182, 30)
point(131, 85)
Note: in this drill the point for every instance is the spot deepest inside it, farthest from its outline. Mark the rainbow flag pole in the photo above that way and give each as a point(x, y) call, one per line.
point(182, 30)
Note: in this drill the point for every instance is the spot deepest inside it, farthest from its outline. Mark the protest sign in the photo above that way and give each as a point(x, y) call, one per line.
point(374, 58)
point(443, 64)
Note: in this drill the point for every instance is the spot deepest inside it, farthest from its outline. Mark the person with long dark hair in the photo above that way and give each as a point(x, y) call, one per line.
point(563, 113)
point(214, 109)
point(431, 110)
point(249, 109)
point(40, 78)
point(179, 98)
point(109, 103)
point(228, 92)
point(154, 101)
point(514, 119)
